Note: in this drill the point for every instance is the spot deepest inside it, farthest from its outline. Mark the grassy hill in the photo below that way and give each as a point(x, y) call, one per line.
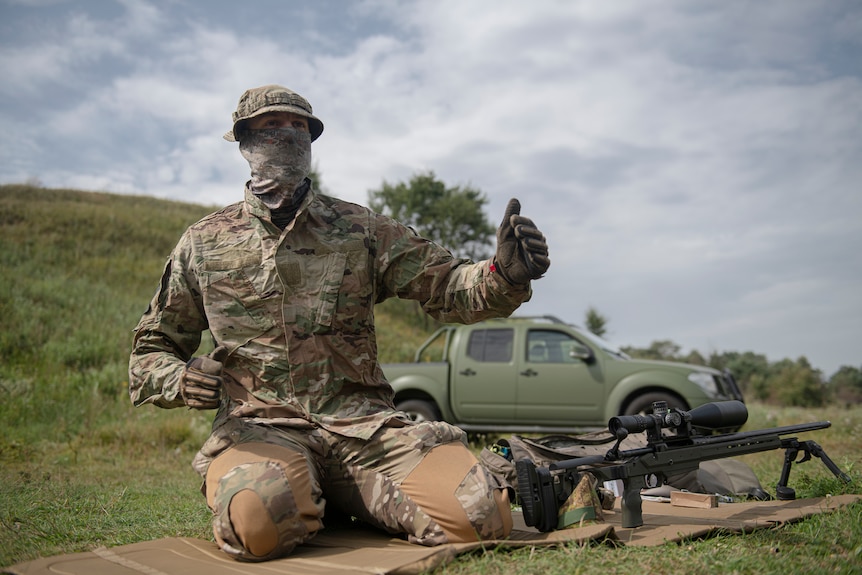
point(79, 269)
point(78, 463)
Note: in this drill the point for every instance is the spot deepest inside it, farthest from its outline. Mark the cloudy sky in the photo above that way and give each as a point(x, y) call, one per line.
point(695, 165)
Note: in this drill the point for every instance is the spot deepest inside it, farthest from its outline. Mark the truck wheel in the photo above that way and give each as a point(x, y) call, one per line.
point(642, 404)
point(419, 410)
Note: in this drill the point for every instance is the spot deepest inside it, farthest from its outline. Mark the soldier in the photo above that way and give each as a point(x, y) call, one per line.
point(286, 282)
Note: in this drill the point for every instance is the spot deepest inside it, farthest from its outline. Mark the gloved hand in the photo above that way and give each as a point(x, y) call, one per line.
point(201, 382)
point(522, 254)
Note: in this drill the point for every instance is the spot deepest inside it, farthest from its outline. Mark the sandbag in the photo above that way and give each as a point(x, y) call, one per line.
point(730, 477)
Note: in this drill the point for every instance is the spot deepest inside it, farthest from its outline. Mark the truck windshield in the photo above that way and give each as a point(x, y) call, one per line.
point(604, 344)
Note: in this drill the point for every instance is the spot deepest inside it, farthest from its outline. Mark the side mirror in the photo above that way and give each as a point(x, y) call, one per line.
point(581, 353)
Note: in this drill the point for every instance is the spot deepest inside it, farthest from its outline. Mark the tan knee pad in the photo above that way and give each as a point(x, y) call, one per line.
point(264, 500)
point(452, 487)
point(252, 523)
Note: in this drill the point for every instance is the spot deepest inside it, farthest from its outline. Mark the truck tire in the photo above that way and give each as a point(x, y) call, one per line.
point(420, 410)
point(642, 404)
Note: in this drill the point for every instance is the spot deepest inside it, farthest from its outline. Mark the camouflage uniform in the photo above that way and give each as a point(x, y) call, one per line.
point(295, 309)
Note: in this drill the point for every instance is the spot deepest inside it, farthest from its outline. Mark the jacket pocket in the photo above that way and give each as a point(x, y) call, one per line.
point(235, 311)
point(312, 286)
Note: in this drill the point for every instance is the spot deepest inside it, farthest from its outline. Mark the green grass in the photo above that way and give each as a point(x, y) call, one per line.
point(830, 543)
point(81, 468)
point(131, 481)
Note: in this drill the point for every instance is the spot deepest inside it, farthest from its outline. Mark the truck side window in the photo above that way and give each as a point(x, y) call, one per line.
point(492, 345)
point(549, 346)
point(538, 352)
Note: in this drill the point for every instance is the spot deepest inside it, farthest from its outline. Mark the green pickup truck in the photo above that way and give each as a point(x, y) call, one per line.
point(539, 374)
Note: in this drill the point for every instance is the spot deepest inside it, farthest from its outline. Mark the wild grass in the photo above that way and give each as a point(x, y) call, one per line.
point(81, 468)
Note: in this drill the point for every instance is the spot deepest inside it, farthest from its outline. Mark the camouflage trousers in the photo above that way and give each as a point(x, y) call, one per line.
point(269, 487)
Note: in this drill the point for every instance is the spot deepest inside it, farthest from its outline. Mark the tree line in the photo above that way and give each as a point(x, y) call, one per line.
point(454, 216)
point(784, 382)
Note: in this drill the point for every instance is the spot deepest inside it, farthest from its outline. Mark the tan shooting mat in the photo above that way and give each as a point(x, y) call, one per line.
point(365, 551)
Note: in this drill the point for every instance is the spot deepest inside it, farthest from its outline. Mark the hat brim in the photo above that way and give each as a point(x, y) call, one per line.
point(315, 126)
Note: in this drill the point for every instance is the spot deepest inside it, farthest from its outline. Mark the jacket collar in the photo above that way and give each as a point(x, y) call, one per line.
point(255, 207)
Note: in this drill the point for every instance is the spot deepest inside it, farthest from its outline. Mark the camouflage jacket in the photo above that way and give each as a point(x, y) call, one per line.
point(295, 308)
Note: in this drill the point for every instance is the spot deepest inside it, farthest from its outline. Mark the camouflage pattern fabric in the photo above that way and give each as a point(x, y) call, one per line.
point(269, 482)
point(295, 310)
point(358, 477)
point(582, 506)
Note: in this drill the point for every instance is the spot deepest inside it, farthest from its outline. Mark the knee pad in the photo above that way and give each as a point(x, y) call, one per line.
point(485, 503)
point(459, 494)
point(256, 514)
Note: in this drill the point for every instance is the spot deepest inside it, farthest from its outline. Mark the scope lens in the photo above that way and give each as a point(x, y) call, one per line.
point(719, 414)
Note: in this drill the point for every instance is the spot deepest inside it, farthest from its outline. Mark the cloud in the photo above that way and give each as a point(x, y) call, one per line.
point(693, 165)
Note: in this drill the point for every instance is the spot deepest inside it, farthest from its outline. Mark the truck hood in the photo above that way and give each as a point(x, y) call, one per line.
point(672, 365)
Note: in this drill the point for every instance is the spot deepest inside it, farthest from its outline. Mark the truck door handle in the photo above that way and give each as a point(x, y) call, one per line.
point(529, 373)
point(467, 372)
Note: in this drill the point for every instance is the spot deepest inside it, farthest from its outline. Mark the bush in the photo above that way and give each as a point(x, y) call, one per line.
point(800, 386)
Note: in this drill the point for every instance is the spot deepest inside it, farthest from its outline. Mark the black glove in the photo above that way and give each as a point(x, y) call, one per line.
point(522, 254)
point(202, 381)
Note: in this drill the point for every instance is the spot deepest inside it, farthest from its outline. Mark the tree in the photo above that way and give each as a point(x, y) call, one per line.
point(758, 384)
point(596, 322)
point(449, 216)
point(660, 349)
point(788, 382)
point(694, 357)
point(846, 385)
point(799, 385)
point(746, 367)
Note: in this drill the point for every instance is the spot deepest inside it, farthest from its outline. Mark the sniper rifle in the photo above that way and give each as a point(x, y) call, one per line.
point(542, 490)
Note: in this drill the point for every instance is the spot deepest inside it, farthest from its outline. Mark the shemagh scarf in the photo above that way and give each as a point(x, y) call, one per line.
point(280, 160)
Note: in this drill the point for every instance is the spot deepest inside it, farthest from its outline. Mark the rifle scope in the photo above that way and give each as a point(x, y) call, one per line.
point(716, 415)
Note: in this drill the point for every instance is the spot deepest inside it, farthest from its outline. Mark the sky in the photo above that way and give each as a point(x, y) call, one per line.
point(694, 165)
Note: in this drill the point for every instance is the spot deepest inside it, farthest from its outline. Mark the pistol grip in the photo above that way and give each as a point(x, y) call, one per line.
point(632, 505)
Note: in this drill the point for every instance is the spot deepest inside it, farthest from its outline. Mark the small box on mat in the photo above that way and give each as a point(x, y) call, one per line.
point(698, 500)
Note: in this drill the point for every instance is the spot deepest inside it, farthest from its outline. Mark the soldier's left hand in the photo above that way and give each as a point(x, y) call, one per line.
point(522, 252)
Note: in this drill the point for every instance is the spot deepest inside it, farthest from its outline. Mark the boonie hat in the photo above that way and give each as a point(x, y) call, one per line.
point(271, 98)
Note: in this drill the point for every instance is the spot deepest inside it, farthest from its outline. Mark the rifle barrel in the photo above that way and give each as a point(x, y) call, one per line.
point(741, 435)
point(704, 440)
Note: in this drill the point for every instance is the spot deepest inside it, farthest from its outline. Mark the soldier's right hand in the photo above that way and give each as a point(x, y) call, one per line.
point(522, 252)
point(201, 382)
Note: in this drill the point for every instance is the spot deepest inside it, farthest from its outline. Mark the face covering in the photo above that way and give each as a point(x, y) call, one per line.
point(280, 160)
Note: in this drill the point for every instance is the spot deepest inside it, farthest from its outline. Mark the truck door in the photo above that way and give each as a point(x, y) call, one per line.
point(555, 385)
point(484, 377)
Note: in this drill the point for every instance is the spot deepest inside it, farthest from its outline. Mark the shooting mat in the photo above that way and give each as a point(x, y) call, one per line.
point(362, 551)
